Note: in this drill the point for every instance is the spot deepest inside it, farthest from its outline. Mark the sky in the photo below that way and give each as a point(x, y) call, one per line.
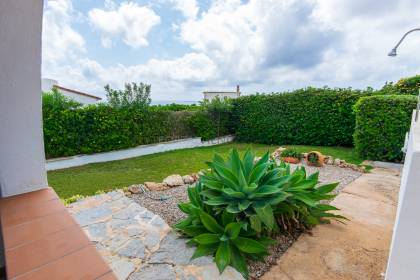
point(184, 47)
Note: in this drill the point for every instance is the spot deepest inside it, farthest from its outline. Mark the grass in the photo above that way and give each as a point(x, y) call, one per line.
point(89, 179)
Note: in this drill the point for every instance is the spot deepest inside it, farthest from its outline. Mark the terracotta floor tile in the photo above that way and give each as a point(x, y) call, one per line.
point(85, 264)
point(30, 212)
point(37, 229)
point(108, 276)
point(52, 247)
point(17, 201)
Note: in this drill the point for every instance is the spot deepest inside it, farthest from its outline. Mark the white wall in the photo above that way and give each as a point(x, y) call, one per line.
point(22, 160)
point(47, 84)
point(79, 98)
point(404, 261)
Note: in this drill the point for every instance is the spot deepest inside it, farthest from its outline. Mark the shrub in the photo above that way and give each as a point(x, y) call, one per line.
point(70, 129)
point(291, 153)
point(311, 116)
point(237, 205)
point(134, 95)
point(381, 124)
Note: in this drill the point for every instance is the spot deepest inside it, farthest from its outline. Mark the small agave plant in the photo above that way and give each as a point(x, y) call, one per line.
point(239, 203)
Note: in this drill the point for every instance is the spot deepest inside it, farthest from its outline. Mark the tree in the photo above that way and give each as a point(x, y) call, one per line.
point(133, 96)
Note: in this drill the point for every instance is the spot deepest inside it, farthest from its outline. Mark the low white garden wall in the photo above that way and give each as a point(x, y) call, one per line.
point(60, 163)
point(403, 262)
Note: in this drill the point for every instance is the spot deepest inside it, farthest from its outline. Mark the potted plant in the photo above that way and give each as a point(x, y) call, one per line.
point(291, 156)
point(315, 158)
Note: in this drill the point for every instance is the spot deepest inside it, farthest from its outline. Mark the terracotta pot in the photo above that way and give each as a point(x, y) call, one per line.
point(290, 160)
point(320, 161)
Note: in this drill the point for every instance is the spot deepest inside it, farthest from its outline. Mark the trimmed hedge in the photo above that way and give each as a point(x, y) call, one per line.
point(381, 124)
point(100, 128)
point(311, 116)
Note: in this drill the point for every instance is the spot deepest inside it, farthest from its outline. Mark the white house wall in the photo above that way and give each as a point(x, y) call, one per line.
point(79, 98)
point(22, 159)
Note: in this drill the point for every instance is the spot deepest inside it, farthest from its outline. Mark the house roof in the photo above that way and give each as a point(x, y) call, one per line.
point(77, 92)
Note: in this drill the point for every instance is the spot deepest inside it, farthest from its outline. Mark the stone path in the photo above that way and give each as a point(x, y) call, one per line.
point(357, 250)
point(138, 244)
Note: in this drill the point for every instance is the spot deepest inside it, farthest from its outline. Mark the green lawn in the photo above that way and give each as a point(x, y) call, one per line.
point(88, 179)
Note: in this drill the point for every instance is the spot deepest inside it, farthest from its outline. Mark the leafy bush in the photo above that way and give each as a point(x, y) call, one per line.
point(410, 85)
point(381, 124)
point(291, 153)
point(174, 107)
point(70, 129)
point(134, 95)
point(213, 119)
point(237, 205)
point(311, 116)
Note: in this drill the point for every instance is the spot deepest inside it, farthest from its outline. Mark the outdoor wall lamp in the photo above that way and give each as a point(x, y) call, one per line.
point(393, 52)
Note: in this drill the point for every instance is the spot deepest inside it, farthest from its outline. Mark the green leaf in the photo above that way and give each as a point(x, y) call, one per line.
point(193, 230)
point(257, 172)
point(248, 163)
point(204, 250)
point(255, 223)
point(248, 245)
point(327, 188)
point(237, 260)
point(233, 230)
point(233, 193)
point(222, 256)
point(227, 217)
point(244, 204)
point(233, 208)
point(207, 238)
point(266, 215)
point(215, 201)
point(210, 223)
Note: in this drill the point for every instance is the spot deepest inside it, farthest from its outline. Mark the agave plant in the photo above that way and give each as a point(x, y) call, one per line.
point(244, 188)
point(226, 240)
point(303, 206)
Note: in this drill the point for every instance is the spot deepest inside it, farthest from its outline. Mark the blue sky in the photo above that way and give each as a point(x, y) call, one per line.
point(183, 47)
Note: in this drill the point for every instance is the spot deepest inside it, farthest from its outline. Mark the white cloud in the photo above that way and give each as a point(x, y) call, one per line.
point(189, 8)
point(60, 40)
point(129, 21)
point(264, 45)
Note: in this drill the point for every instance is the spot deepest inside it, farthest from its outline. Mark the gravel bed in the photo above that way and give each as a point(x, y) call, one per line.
point(168, 210)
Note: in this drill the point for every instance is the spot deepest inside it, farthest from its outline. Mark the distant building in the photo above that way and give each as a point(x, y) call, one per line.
point(209, 95)
point(81, 97)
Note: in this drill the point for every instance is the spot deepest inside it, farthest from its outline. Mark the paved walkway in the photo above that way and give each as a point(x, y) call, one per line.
point(138, 244)
point(357, 250)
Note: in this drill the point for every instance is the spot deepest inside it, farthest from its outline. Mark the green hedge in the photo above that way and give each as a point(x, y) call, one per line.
point(94, 129)
point(381, 125)
point(311, 116)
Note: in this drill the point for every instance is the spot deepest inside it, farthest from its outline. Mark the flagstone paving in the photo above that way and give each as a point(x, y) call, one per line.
point(138, 244)
point(357, 250)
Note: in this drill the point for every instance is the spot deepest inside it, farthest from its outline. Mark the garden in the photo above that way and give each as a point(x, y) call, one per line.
point(243, 203)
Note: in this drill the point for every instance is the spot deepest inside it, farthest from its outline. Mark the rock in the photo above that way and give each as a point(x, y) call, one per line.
point(277, 153)
point(330, 161)
point(134, 189)
point(152, 186)
point(154, 272)
point(133, 249)
point(337, 161)
point(174, 181)
point(122, 268)
point(188, 179)
point(195, 176)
